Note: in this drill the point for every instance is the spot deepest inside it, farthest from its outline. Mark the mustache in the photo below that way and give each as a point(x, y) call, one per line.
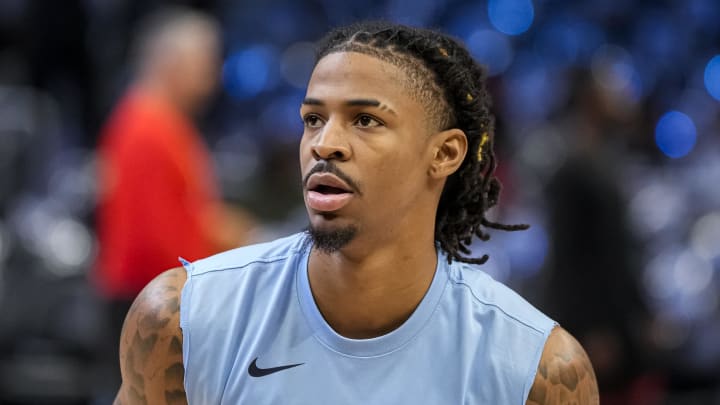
point(330, 167)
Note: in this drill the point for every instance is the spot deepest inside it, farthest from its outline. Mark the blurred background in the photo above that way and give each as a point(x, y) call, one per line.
point(607, 134)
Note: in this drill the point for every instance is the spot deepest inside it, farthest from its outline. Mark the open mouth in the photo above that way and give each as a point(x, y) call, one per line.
point(326, 183)
point(325, 189)
point(327, 192)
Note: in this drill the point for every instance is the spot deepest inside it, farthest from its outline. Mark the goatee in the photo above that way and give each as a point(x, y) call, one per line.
point(332, 240)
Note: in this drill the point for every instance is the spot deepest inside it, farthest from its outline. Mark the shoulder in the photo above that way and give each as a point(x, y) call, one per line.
point(565, 374)
point(151, 343)
point(250, 256)
point(495, 297)
point(161, 295)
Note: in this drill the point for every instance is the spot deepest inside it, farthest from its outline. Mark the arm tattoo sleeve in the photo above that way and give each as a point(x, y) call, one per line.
point(565, 375)
point(151, 346)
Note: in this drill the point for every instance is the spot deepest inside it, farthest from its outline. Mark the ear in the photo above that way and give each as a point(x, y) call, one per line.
point(449, 148)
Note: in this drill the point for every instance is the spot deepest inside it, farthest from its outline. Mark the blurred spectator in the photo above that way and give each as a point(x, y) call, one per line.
point(158, 197)
point(592, 288)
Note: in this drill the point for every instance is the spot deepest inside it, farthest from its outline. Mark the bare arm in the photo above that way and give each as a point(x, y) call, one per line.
point(565, 375)
point(151, 345)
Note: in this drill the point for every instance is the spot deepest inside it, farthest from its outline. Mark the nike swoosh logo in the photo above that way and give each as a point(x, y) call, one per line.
point(256, 371)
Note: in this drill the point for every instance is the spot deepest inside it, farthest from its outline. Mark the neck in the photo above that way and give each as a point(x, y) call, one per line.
point(367, 297)
point(158, 87)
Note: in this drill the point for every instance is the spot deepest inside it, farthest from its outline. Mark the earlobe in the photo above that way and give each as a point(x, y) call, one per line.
point(450, 147)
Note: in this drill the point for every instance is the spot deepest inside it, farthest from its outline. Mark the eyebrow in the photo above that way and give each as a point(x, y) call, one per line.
point(360, 102)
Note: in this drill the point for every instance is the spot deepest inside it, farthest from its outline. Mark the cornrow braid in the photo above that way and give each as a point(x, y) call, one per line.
point(441, 68)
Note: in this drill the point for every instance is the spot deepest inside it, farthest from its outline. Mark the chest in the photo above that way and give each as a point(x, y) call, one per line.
point(324, 377)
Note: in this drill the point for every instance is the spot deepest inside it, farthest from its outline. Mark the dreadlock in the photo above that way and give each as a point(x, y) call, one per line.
point(451, 85)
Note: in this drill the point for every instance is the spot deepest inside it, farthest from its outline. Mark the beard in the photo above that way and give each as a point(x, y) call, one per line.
point(331, 240)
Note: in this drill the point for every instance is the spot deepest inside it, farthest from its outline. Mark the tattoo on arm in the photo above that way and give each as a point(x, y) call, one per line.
point(565, 375)
point(151, 348)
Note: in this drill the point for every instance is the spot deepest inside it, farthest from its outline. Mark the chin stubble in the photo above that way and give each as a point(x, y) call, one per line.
point(331, 241)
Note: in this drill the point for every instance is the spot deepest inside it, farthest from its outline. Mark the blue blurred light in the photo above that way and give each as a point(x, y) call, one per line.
point(532, 89)
point(634, 87)
point(492, 49)
point(248, 72)
point(528, 250)
point(613, 68)
point(498, 264)
point(712, 77)
point(675, 134)
point(511, 17)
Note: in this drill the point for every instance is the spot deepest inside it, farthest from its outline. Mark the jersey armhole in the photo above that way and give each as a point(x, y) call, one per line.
point(535, 363)
point(185, 297)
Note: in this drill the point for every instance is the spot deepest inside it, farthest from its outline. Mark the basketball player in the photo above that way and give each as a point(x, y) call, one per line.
point(378, 302)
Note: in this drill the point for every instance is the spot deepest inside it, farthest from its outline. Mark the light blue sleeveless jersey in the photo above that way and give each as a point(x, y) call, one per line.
point(253, 335)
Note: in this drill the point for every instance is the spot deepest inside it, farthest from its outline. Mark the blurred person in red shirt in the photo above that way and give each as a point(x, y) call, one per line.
point(158, 196)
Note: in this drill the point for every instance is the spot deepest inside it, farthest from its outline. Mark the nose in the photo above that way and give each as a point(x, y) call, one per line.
point(331, 144)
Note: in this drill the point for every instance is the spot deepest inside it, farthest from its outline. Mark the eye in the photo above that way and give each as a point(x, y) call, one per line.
point(366, 121)
point(312, 121)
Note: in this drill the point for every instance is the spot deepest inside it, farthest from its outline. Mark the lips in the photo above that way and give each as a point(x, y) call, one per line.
point(327, 192)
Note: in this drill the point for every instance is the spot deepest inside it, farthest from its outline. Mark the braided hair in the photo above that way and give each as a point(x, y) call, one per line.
point(452, 87)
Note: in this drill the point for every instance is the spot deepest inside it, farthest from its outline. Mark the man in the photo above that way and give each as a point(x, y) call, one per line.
point(377, 303)
point(157, 190)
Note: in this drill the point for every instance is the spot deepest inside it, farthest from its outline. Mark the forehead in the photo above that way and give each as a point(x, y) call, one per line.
point(353, 75)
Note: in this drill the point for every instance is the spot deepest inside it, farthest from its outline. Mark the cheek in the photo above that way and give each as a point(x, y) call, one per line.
point(403, 159)
point(398, 176)
point(304, 152)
